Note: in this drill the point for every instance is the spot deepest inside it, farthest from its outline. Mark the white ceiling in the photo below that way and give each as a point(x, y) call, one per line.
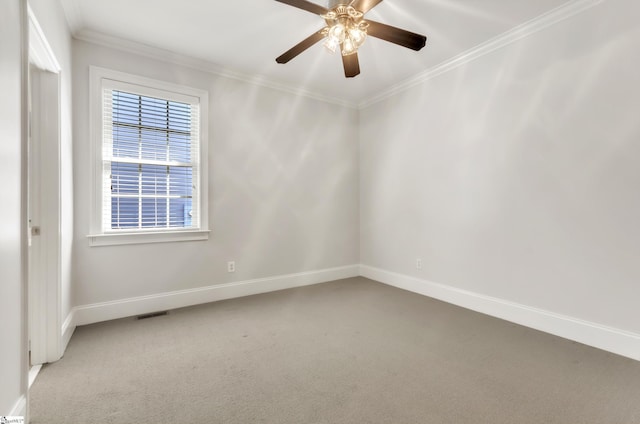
point(246, 36)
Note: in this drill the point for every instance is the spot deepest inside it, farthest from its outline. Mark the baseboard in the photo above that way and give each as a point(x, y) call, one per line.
point(89, 314)
point(68, 327)
point(20, 408)
point(602, 337)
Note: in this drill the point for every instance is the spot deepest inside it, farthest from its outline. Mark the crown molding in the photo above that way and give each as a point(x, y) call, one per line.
point(533, 26)
point(515, 34)
point(200, 65)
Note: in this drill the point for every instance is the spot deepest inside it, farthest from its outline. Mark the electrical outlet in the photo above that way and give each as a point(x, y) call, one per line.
point(418, 263)
point(231, 266)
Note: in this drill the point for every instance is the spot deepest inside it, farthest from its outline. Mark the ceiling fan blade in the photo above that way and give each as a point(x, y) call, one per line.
point(351, 65)
point(306, 5)
point(398, 36)
point(364, 5)
point(300, 47)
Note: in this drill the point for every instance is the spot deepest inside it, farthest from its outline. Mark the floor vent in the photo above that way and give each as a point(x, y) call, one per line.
point(152, 315)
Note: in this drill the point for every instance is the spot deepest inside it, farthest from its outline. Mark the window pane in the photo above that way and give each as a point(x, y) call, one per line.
point(180, 147)
point(153, 144)
point(124, 178)
point(126, 141)
point(180, 181)
point(154, 213)
point(180, 212)
point(124, 212)
point(153, 112)
point(154, 180)
point(179, 116)
point(125, 108)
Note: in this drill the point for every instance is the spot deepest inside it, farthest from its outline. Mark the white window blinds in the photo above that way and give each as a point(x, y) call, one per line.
point(151, 158)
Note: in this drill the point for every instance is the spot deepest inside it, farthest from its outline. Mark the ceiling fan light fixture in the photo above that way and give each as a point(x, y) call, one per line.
point(331, 44)
point(338, 32)
point(348, 47)
point(347, 29)
point(357, 36)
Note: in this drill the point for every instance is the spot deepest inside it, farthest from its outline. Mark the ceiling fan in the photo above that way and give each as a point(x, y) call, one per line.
point(346, 29)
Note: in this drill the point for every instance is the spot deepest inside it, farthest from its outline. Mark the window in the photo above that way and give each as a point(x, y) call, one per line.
point(150, 160)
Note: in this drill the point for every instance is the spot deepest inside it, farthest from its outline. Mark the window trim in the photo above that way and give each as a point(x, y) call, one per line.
point(99, 77)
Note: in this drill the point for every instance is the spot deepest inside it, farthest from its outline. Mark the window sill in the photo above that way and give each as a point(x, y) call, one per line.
point(114, 239)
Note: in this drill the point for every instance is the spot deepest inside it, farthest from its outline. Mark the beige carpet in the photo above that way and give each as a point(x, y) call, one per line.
point(350, 351)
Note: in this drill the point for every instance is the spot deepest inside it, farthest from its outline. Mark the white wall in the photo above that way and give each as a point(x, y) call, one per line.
point(283, 188)
point(12, 342)
point(516, 176)
point(50, 16)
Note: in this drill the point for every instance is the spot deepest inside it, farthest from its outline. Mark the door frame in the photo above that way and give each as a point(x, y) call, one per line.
point(44, 282)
